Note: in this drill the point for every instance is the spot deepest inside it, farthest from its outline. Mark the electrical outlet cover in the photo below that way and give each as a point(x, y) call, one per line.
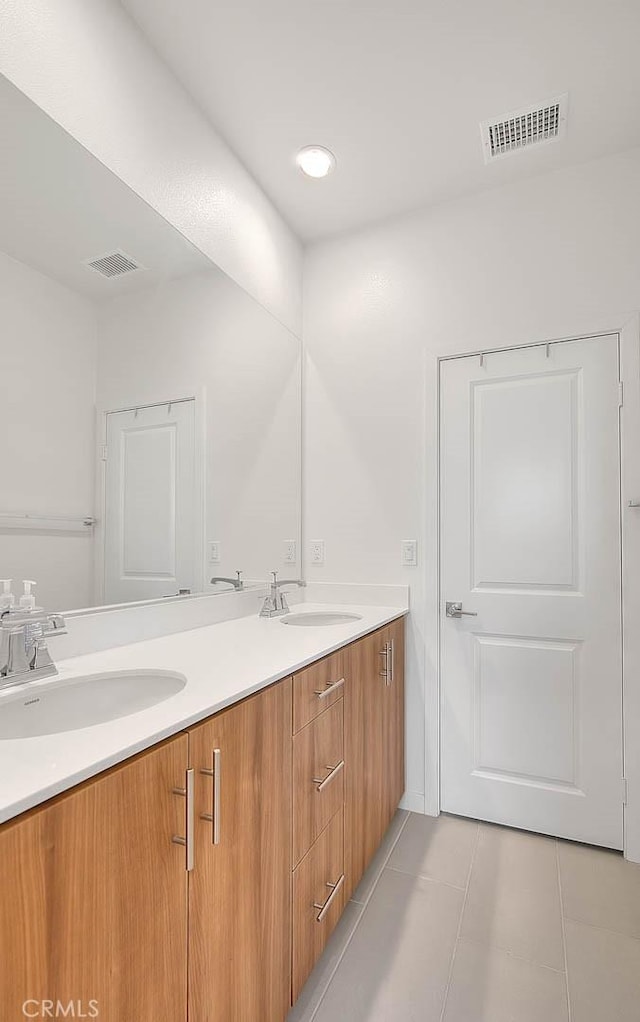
point(214, 552)
point(317, 551)
point(409, 553)
point(290, 553)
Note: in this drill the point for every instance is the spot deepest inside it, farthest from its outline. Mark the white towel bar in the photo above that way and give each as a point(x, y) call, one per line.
point(46, 523)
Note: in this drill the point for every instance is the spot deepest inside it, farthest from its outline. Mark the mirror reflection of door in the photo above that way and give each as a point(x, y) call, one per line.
point(150, 505)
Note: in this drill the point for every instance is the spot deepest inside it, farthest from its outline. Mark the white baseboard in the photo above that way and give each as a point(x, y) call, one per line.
point(413, 801)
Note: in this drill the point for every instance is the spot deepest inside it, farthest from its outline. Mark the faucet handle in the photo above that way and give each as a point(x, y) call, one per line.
point(54, 624)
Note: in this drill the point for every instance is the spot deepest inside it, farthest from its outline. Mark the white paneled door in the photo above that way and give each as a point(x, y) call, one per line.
point(150, 506)
point(531, 672)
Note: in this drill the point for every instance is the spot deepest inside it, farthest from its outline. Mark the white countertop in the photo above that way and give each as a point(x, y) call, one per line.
point(222, 663)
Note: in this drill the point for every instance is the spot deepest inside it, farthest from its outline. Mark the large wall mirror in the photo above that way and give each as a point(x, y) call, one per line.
point(150, 407)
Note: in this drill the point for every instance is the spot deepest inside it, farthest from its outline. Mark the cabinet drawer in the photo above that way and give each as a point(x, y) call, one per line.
point(318, 776)
point(317, 688)
point(318, 899)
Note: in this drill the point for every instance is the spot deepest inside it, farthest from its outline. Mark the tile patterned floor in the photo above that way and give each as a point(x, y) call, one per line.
point(458, 921)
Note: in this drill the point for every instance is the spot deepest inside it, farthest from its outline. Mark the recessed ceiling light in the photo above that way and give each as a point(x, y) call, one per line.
point(315, 161)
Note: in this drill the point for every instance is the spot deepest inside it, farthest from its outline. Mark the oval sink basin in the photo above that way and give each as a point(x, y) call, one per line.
point(320, 617)
point(67, 705)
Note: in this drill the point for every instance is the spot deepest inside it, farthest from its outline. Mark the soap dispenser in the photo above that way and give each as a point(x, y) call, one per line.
point(7, 605)
point(7, 599)
point(28, 600)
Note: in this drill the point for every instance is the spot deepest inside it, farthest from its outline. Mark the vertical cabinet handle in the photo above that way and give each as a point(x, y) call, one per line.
point(188, 840)
point(214, 816)
point(389, 654)
point(384, 673)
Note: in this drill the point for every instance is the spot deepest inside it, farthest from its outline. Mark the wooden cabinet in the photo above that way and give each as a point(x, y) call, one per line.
point(318, 811)
point(93, 896)
point(240, 886)
point(318, 899)
point(374, 744)
point(317, 687)
point(202, 879)
point(393, 719)
point(318, 777)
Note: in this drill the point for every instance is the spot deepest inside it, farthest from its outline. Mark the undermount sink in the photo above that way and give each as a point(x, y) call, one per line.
point(67, 705)
point(320, 617)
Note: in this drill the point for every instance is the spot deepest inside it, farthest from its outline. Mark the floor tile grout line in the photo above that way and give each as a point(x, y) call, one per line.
point(511, 954)
point(422, 876)
point(363, 905)
point(564, 934)
point(457, 940)
point(603, 929)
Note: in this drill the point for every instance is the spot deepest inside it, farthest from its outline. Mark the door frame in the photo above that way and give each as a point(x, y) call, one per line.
point(627, 328)
point(198, 396)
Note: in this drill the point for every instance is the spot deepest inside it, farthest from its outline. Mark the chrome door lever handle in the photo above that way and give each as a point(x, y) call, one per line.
point(455, 610)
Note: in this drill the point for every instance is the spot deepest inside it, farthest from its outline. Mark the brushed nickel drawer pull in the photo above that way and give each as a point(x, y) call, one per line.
point(385, 653)
point(214, 816)
point(389, 655)
point(322, 782)
point(331, 687)
point(327, 905)
point(187, 842)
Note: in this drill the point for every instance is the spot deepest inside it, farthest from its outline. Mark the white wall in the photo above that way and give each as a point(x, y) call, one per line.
point(47, 391)
point(89, 67)
point(545, 258)
point(204, 332)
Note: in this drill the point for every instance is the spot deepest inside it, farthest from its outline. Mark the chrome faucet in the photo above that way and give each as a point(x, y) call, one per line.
point(237, 582)
point(24, 655)
point(275, 604)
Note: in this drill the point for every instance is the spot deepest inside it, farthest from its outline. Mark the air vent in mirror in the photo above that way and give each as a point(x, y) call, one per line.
point(114, 264)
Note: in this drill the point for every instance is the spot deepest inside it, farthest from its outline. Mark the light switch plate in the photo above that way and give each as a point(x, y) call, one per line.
point(214, 551)
point(409, 553)
point(290, 551)
point(317, 551)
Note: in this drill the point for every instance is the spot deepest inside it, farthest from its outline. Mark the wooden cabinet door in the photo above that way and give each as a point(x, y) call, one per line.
point(93, 897)
point(316, 688)
point(364, 707)
point(240, 888)
point(318, 899)
point(393, 720)
point(318, 777)
point(374, 745)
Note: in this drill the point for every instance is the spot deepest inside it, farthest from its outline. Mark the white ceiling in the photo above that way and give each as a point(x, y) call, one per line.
point(397, 88)
point(60, 206)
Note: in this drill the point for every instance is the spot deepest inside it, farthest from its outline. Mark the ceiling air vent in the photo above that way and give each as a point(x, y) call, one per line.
point(114, 264)
point(524, 128)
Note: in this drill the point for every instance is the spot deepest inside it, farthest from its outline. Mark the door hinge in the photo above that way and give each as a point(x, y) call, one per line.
point(625, 791)
point(103, 452)
point(620, 393)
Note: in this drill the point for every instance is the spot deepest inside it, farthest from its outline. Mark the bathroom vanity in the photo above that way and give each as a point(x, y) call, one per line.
point(202, 877)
